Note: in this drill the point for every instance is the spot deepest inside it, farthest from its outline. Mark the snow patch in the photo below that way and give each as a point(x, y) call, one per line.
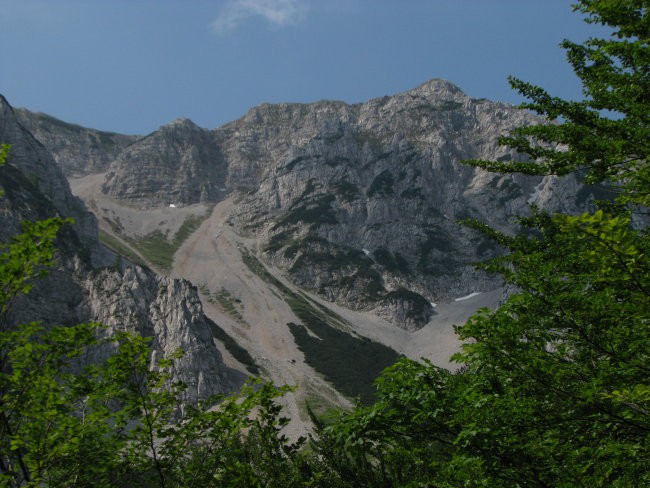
point(467, 297)
point(366, 252)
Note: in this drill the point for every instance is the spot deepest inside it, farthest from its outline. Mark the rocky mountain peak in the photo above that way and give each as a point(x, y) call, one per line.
point(180, 162)
point(76, 149)
point(438, 89)
point(181, 123)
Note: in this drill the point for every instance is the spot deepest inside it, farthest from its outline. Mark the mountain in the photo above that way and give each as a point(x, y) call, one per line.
point(179, 163)
point(323, 238)
point(92, 283)
point(357, 203)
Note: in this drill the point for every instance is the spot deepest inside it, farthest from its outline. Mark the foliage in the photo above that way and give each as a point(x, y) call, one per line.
point(68, 420)
point(159, 250)
point(556, 352)
point(53, 422)
point(607, 133)
point(553, 386)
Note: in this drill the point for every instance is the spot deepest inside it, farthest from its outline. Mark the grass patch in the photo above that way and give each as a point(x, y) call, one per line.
point(353, 264)
point(382, 185)
point(447, 105)
point(320, 410)
point(412, 193)
point(335, 257)
point(278, 241)
point(189, 225)
point(156, 249)
point(369, 138)
point(346, 191)
point(506, 189)
point(224, 300)
point(350, 363)
point(335, 162)
point(292, 164)
point(367, 279)
point(238, 352)
point(316, 210)
point(440, 241)
point(229, 304)
point(159, 250)
point(392, 262)
point(120, 248)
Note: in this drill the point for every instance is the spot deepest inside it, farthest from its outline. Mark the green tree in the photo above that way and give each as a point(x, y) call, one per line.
point(65, 422)
point(40, 430)
point(553, 389)
point(606, 133)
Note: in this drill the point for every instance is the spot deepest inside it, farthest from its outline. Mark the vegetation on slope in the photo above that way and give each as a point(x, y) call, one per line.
point(228, 304)
point(116, 245)
point(159, 250)
point(350, 363)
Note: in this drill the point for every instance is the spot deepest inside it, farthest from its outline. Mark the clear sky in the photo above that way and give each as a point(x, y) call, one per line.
point(131, 66)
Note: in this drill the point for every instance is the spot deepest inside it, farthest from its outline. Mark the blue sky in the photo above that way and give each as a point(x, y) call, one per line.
point(131, 66)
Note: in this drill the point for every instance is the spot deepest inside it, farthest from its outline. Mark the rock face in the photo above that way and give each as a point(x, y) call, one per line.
point(358, 203)
point(77, 150)
point(167, 310)
point(93, 284)
point(43, 177)
point(180, 163)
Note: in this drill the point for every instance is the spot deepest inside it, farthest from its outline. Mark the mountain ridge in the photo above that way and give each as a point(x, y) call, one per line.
point(358, 203)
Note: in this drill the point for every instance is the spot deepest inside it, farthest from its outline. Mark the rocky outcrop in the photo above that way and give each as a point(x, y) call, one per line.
point(167, 310)
point(40, 173)
point(78, 151)
point(178, 164)
point(91, 283)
